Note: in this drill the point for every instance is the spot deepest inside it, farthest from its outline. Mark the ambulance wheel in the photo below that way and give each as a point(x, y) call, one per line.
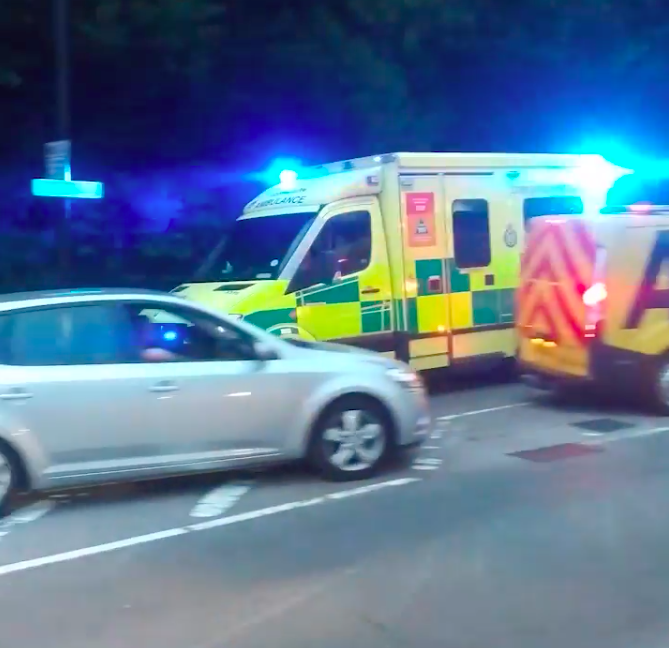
point(659, 387)
point(352, 439)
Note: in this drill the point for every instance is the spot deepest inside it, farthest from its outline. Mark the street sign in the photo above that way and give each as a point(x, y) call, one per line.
point(49, 188)
point(57, 159)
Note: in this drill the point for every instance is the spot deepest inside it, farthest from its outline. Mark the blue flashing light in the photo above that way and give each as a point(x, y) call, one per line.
point(48, 188)
point(170, 336)
point(288, 177)
point(284, 171)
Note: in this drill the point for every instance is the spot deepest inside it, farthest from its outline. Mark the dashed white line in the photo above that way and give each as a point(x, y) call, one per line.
point(499, 408)
point(108, 547)
point(216, 502)
point(27, 514)
point(428, 461)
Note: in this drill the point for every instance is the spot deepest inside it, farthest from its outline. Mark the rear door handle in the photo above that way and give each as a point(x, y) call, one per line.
point(370, 290)
point(164, 386)
point(16, 394)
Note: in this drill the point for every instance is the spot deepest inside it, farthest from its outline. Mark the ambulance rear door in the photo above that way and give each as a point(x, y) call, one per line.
point(557, 269)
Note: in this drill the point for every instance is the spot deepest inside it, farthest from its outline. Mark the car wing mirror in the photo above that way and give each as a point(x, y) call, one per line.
point(265, 352)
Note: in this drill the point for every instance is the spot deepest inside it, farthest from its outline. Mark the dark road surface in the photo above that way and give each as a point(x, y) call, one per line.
point(470, 547)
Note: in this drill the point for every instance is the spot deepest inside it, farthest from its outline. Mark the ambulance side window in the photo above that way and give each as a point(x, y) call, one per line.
point(342, 247)
point(551, 206)
point(471, 233)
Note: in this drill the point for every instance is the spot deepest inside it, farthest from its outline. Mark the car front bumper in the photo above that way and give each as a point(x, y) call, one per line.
point(414, 419)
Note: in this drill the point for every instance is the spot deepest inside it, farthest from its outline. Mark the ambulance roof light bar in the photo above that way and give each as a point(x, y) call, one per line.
point(636, 208)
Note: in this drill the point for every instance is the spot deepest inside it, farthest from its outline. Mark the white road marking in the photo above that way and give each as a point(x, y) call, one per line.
point(30, 513)
point(623, 436)
point(431, 447)
point(108, 547)
point(452, 417)
point(216, 502)
point(427, 461)
point(424, 467)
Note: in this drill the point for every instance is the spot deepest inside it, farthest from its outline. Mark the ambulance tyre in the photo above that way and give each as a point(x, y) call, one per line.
point(659, 386)
point(353, 438)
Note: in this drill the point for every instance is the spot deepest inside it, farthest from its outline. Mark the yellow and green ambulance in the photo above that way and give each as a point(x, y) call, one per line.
point(411, 254)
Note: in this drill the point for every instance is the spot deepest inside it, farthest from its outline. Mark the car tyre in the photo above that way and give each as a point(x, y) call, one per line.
point(9, 478)
point(351, 440)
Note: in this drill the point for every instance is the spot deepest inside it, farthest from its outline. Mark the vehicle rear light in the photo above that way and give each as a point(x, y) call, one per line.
point(595, 295)
point(594, 298)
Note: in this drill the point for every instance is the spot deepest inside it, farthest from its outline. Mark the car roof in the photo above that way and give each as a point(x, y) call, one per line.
point(11, 301)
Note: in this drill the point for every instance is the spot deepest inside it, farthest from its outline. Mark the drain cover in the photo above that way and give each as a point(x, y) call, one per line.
point(603, 425)
point(556, 452)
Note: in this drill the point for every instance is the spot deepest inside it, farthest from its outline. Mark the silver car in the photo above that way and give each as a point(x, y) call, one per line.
point(110, 385)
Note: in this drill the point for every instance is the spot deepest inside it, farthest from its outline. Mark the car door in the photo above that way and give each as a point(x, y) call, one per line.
point(213, 400)
point(60, 382)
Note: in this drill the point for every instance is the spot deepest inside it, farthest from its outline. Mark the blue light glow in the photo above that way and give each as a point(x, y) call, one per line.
point(170, 336)
point(288, 177)
point(47, 188)
point(284, 171)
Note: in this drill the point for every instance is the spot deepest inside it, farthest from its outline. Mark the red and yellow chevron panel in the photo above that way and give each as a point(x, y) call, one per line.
point(556, 268)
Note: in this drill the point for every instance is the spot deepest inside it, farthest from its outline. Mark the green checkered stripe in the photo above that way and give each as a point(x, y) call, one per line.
point(489, 306)
point(375, 316)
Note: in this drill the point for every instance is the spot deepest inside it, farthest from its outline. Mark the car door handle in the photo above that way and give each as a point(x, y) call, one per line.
point(16, 394)
point(164, 386)
point(370, 290)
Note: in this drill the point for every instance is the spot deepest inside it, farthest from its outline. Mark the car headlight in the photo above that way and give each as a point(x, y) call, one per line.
point(405, 377)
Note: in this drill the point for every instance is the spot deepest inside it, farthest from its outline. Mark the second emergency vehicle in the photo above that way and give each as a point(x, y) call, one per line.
point(593, 304)
point(412, 254)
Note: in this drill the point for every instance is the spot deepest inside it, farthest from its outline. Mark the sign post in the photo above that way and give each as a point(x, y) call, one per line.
point(57, 160)
point(58, 184)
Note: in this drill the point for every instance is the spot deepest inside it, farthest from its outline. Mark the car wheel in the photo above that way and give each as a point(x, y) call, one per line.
point(352, 439)
point(659, 388)
point(8, 479)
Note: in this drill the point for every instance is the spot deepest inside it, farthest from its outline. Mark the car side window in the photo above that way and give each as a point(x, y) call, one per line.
point(342, 247)
point(65, 335)
point(168, 333)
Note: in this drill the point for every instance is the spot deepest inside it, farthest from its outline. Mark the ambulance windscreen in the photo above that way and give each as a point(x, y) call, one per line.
point(255, 248)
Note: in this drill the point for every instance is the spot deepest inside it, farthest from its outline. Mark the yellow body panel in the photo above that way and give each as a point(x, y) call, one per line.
point(637, 313)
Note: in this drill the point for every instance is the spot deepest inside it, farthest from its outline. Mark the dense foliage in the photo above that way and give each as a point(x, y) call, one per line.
point(158, 85)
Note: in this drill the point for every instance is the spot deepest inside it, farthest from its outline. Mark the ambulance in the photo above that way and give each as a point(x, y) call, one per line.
point(593, 304)
point(415, 255)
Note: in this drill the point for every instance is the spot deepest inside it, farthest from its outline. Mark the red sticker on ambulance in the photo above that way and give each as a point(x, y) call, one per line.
point(420, 219)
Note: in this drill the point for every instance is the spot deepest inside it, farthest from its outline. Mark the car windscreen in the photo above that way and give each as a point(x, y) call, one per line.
point(256, 248)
